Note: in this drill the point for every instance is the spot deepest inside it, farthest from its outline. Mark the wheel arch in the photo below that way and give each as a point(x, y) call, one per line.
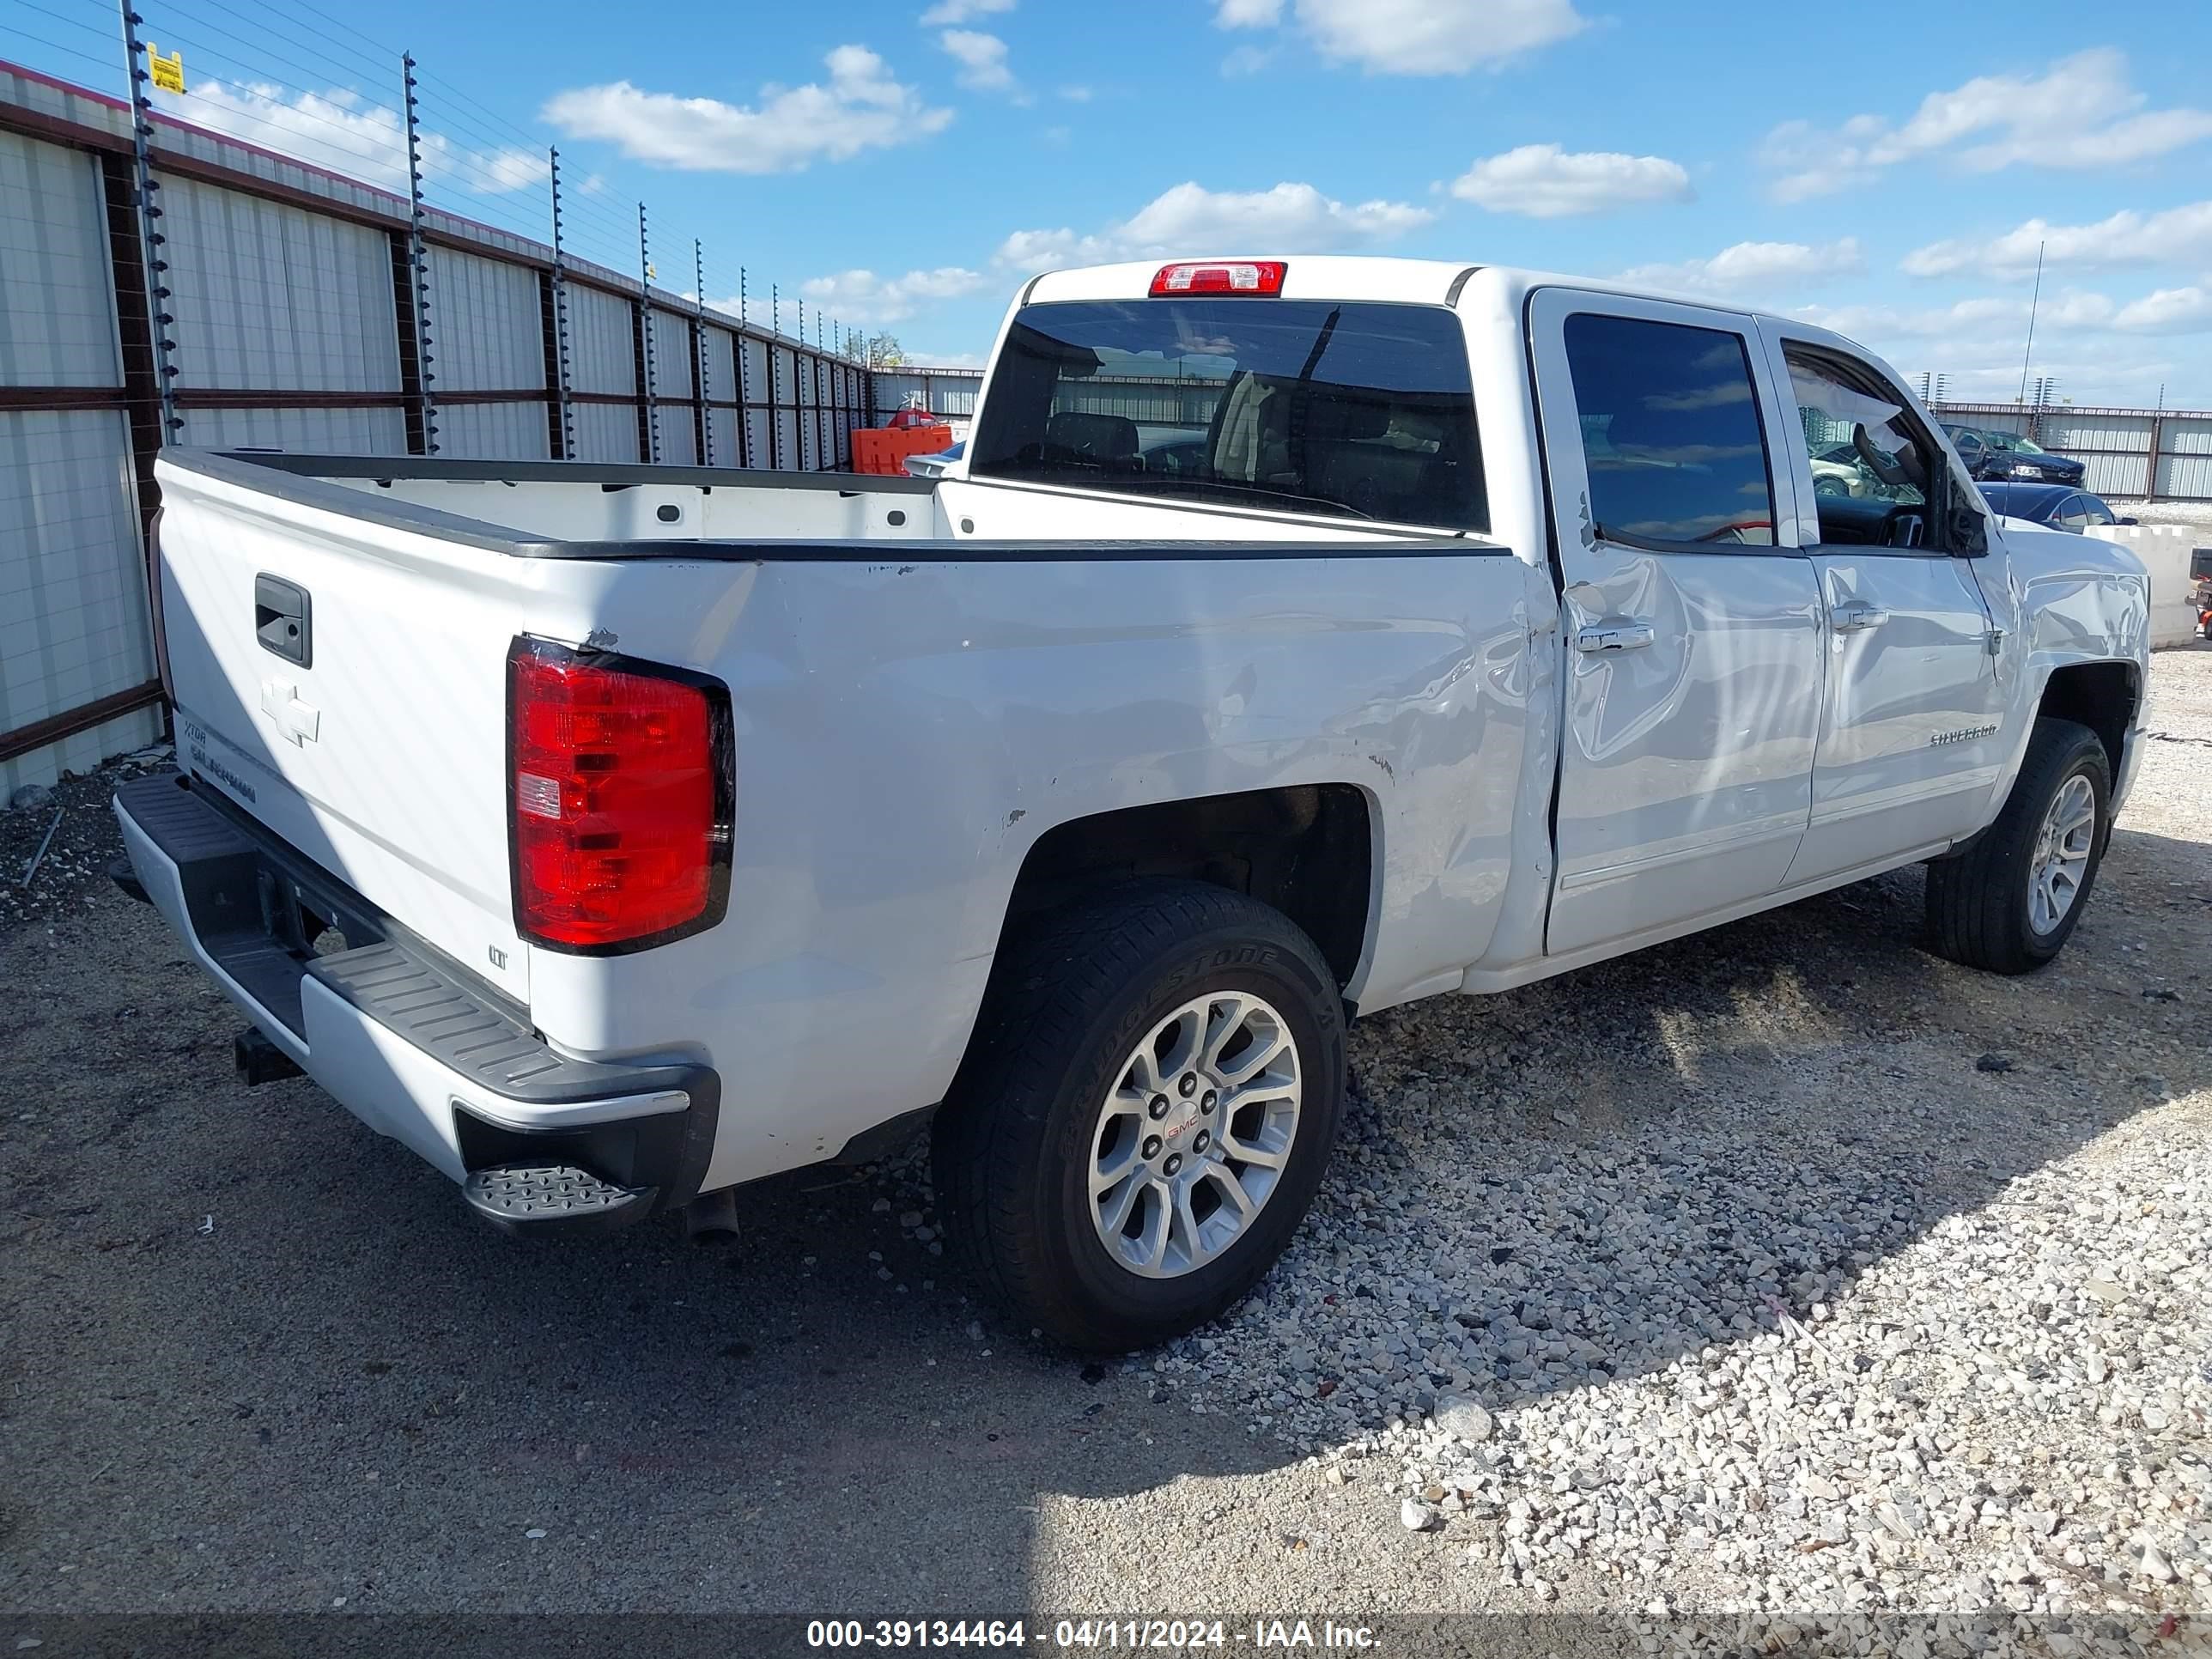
point(1311, 851)
point(2103, 695)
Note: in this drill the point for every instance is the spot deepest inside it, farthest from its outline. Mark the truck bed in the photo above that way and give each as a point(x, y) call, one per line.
point(913, 713)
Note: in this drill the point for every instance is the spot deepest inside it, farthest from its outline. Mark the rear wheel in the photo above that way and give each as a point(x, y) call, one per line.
point(1145, 1112)
point(2010, 902)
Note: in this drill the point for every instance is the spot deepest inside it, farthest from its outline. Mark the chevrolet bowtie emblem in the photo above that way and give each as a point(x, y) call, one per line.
point(280, 700)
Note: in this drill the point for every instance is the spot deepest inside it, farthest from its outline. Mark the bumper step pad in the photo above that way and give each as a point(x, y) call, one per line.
point(551, 1198)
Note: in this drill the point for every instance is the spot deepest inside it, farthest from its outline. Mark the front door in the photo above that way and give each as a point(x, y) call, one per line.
point(1694, 642)
point(1911, 745)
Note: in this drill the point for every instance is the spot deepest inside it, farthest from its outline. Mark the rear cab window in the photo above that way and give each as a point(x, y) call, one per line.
point(1338, 408)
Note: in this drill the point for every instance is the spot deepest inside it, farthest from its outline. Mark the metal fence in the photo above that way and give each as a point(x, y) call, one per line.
point(2140, 454)
point(950, 393)
point(296, 308)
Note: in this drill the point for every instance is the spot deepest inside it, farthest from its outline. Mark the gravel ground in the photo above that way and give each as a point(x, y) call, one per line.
point(1762, 1290)
point(62, 838)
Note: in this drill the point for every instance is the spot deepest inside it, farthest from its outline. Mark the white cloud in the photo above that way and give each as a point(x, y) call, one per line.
point(1434, 37)
point(1078, 95)
point(962, 11)
point(2168, 311)
point(1980, 318)
point(2081, 112)
point(983, 59)
point(343, 132)
point(2100, 351)
point(1248, 60)
point(1753, 269)
point(1190, 220)
point(1543, 181)
point(2180, 235)
point(1414, 37)
point(862, 296)
point(861, 107)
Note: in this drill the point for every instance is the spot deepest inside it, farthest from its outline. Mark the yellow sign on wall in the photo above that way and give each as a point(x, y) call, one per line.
point(169, 72)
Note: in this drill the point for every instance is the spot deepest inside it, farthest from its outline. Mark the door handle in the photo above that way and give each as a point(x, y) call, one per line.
point(1855, 615)
point(1613, 633)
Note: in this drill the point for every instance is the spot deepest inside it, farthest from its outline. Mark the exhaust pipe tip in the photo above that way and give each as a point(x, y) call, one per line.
point(712, 1217)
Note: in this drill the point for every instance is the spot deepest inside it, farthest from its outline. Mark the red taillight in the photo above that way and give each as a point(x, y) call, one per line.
point(618, 798)
point(1229, 276)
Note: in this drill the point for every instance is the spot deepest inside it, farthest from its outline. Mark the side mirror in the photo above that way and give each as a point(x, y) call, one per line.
point(2130, 521)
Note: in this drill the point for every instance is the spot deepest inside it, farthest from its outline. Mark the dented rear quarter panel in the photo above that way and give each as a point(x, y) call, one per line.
point(907, 732)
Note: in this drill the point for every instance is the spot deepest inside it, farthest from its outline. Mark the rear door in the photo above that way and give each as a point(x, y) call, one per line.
point(1909, 742)
point(1694, 638)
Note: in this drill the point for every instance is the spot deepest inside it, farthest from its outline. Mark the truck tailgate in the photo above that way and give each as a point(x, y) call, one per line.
point(343, 681)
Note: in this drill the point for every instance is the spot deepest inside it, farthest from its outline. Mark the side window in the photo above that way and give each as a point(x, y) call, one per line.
point(2097, 511)
point(2073, 513)
point(1671, 434)
point(1869, 455)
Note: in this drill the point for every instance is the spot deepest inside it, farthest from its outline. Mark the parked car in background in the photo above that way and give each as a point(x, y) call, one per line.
point(2054, 505)
point(1841, 470)
point(933, 464)
point(1991, 454)
point(1473, 626)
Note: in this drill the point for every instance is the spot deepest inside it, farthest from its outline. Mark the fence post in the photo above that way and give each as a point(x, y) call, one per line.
point(645, 412)
point(704, 415)
point(824, 459)
point(774, 352)
point(2150, 461)
point(150, 238)
point(745, 409)
point(418, 271)
point(565, 420)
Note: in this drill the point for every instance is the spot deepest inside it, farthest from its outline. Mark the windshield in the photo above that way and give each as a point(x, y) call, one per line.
point(2013, 440)
point(1347, 409)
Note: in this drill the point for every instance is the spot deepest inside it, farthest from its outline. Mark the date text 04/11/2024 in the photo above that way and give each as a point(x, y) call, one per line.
point(1107, 1634)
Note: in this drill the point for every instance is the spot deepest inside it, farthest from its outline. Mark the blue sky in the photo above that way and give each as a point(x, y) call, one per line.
point(1888, 169)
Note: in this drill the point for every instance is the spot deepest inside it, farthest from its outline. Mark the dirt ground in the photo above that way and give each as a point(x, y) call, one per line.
point(260, 1360)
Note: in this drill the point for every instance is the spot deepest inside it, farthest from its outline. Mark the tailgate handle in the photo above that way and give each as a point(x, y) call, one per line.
point(283, 621)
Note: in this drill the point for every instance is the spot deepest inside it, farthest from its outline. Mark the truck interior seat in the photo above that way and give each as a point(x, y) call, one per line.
point(1107, 440)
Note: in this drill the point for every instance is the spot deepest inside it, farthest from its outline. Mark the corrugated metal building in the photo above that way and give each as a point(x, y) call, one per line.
point(73, 631)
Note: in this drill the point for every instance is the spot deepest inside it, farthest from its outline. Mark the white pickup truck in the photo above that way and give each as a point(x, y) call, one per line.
point(1294, 639)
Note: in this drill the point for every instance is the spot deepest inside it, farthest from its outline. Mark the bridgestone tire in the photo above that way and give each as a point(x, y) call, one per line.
point(1013, 1144)
point(1978, 900)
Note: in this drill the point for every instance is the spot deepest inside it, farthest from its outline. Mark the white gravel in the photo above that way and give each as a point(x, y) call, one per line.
point(1861, 1282)
point(1787, 1290)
